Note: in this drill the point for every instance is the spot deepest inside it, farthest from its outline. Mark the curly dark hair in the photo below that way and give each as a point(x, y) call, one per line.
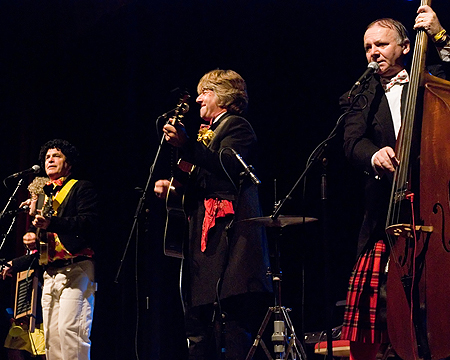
point(69, 151)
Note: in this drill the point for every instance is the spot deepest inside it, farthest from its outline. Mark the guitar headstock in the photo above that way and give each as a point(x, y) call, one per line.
point(182, 107)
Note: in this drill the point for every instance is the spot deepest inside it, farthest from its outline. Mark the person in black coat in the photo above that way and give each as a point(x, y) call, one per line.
point(226, 262)
point(370, 134)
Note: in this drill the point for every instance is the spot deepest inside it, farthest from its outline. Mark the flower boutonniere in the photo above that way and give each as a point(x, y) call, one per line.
point(205, 135)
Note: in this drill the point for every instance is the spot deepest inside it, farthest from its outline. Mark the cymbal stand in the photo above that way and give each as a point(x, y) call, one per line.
point(318, 156)
point(285, 342)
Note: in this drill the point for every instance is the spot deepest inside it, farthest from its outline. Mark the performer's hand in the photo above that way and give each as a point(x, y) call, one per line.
point(175, 135)
point(161, 188)
point(385, 161)
point(31, 203)
point(427, 20)
point(6, 270)
point(25, 203)
point(29, 240)
point(40, 221)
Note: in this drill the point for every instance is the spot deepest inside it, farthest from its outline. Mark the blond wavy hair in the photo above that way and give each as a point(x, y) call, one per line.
point(229, 87)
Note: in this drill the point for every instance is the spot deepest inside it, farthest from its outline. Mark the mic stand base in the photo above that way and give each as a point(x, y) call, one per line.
point(286, 343)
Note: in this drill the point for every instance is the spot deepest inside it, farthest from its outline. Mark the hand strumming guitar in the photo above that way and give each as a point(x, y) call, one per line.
point(161, 188)
point(29, 240)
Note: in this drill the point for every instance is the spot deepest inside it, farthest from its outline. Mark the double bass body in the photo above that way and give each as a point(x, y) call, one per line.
point(418, 289)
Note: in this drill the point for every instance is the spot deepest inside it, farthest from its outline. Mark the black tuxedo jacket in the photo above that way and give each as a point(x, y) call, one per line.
point(368, 128)
point(240, 255)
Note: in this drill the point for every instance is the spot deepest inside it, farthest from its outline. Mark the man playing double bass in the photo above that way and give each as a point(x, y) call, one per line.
point(371, 130)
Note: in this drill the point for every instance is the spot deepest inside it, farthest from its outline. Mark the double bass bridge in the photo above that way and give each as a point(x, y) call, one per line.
point(406, 230)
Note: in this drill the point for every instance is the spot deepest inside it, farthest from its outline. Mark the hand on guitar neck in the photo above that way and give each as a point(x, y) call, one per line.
point(175, 133)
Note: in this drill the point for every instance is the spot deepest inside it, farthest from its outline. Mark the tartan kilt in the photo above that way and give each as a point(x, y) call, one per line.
point(365, 311)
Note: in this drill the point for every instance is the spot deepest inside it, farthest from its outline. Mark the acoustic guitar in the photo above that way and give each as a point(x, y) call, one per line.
point(176, 221)
point(41, 235)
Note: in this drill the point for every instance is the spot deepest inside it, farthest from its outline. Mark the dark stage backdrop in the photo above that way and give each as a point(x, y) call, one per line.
point(99, 73)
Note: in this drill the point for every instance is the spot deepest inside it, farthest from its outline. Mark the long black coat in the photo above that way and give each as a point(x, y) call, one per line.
point(240, 254)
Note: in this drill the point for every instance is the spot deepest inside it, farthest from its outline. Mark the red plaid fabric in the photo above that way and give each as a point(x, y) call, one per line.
point(365, 312)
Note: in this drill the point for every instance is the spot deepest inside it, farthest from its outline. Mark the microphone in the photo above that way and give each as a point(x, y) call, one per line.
point(372, 68)
point(248, 168)
point(32, 170)
point(24, 208)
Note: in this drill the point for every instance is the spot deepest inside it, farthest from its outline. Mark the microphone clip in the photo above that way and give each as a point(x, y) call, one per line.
point(248, 169)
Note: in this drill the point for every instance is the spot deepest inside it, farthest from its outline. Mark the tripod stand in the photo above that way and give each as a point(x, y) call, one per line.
point(285, 341)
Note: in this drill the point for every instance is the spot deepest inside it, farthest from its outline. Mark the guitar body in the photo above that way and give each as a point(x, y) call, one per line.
point(176, 223)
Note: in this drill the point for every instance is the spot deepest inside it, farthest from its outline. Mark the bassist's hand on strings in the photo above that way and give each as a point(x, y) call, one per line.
point(428, 20)
point(175, 135)
point(384, 161)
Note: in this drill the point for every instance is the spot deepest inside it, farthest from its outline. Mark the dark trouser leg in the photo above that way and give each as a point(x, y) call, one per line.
point(243, 316)
point(200, 334)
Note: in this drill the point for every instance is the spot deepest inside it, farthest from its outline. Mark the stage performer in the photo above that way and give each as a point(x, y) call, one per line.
point(226, 264)
point(369, 142)
point(69, 285)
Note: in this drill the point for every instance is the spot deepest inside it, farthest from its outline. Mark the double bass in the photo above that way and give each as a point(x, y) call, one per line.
point(418, 222)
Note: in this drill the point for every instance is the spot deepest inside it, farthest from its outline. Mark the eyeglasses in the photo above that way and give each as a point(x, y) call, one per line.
point(205, 91)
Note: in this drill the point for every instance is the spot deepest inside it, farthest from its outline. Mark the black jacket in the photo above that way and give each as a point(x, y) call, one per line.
point(75, 223)
point(241, 253)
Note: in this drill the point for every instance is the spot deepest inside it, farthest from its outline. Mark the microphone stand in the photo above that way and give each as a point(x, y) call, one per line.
point(3, 213)
point(316, 156)
point(11, 198)
point(141, 202)
point(181, 108)
point(134, 229)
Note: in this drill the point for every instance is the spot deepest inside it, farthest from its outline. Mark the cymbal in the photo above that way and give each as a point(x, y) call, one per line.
point(280, 221)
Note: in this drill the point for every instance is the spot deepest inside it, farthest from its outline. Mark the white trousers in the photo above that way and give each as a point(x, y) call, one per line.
point(67, 309)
